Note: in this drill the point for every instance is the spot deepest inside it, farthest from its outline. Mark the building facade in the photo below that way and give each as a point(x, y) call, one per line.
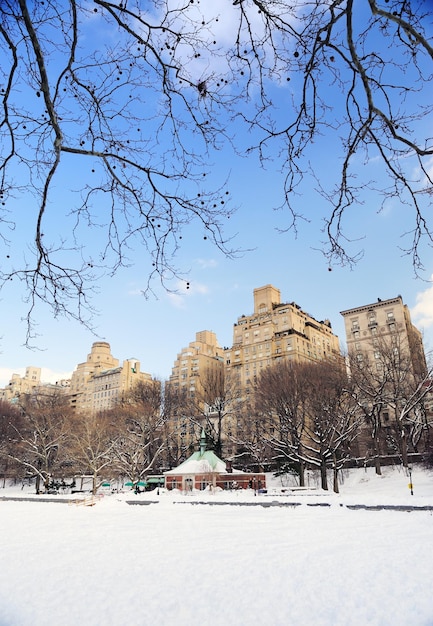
point(385, 351)
point(202, 360)
point(21, 384)
point(200, 355)
point(99, 382)
point(369, 326)
point(276, 331)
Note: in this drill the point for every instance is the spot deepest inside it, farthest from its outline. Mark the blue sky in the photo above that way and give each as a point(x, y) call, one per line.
point(155, 329)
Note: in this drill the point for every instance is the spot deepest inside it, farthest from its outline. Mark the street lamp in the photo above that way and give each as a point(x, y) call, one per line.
point(409, 469)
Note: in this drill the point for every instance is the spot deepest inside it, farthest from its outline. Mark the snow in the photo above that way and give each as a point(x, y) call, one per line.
point(207, 559)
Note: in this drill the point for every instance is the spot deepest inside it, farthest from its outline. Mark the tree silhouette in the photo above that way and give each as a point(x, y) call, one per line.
point(112, 116)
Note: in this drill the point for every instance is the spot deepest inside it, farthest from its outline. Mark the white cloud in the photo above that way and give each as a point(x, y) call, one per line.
point(51, 376)
point(137, 291)
point(6, 374)
point(47, 375)
point(422, 312)
point(205, 264)
point(176, 300)
point(185, 289)
point(222, 25)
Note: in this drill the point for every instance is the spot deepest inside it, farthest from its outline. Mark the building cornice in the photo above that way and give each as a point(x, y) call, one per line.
point(374, 305)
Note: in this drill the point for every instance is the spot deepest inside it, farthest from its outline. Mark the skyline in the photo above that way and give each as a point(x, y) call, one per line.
point(156, 328)
point(125, 345)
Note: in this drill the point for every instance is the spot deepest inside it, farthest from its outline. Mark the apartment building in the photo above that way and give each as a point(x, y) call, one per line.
point(31, 383)
point(369, 326)
point(99, 382)
point(276, 330)
point(198, 356)
point(383, 343)
point(202, 358)
point(21, 384)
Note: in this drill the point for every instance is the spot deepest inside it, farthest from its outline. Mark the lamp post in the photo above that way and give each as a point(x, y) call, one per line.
point(409, 469)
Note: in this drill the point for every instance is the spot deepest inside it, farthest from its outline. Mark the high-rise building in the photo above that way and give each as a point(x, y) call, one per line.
point(21, 384)
point(369, 326)
point(199, 364)
point(98, 383)
point(386, 353)
point(273, 332)
point(200, 355)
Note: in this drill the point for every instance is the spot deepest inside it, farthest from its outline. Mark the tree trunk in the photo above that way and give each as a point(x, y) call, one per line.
point(376, 445)
point(403, 447)
point(301, 474)
point(47, 481)
point(377, 465)
point(323, 477)
point(335, 485)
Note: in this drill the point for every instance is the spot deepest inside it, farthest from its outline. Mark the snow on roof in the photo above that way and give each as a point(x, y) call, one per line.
point(200, 463)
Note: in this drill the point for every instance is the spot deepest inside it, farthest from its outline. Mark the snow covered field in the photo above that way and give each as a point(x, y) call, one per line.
point(173, 563)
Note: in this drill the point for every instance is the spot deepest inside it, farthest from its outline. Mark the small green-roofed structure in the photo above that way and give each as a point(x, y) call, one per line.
point(204, 469)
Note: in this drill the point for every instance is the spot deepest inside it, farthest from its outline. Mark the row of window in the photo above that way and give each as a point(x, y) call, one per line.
point(372, 321)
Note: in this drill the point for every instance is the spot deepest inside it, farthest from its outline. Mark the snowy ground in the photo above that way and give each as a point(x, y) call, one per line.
point(174, 563)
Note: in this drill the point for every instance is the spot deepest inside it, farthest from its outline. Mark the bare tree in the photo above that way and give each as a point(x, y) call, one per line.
point(136, 102)
point(360, 75)
point(10, 425)
point(141, 424)
point(368, 390)
point(41, 435)
point(253, 450)
point(310, 418)
point(333, 420)
point(280, 395)
point(214, 400)
point(92, 445)
point(97, 88)
point(391, 389)
point(179, 426)
point(405, 391)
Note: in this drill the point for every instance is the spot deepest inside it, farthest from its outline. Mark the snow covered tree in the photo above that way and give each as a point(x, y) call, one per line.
point(10, 418)
point(252, 447)
point(391, 390)
point(280, 398)
point(41, 435)
point(214, 402)
point(93, 440)
point(179, 425)
point(333, 420)
point(141, 425)
point(309, 416)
